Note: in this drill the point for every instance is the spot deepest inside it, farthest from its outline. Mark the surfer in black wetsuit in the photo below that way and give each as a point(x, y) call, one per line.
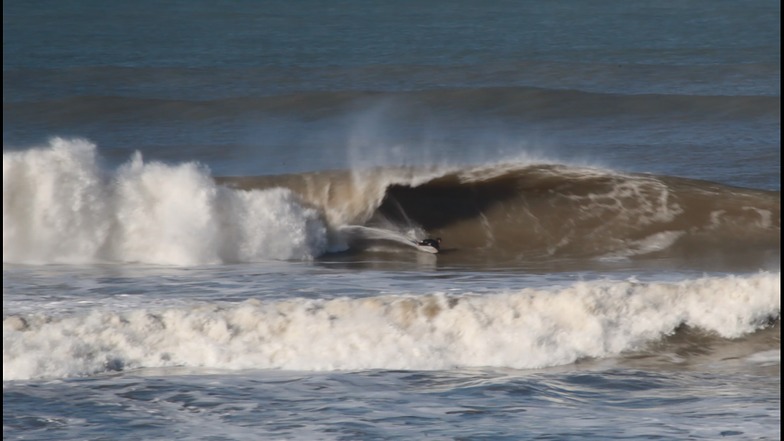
point(435, 243)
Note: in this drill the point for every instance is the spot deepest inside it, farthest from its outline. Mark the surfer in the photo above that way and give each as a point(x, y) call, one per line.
point(435, 243)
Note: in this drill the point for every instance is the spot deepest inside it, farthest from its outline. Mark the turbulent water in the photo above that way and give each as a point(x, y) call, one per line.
point(210, 215)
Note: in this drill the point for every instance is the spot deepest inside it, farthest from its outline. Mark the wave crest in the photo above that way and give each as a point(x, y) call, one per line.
point(60, 206)
point(528, 328)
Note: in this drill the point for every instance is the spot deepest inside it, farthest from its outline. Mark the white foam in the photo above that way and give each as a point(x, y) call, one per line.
point(59, 206)
point(766, 357)
point(636, 200)
point(526, 328)
point(650, 244)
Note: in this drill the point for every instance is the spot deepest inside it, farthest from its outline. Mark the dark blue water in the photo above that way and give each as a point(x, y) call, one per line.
point(235, 86)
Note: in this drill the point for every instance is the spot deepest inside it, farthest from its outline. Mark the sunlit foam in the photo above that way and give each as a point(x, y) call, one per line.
point(60, 206)
point(525, 328)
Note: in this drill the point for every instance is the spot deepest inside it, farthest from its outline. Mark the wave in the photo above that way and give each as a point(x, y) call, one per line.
point(527, 328)
point(529, 103)
point(221, 82)
point(514, 212)
point(59, 205)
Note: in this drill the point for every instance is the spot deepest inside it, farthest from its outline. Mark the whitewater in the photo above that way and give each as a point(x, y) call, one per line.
point(59, 206)
point(522, 329)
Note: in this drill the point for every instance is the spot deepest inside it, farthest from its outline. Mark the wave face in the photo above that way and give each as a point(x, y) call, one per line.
point(544, 211)
point(526, 328)
point(60, 206)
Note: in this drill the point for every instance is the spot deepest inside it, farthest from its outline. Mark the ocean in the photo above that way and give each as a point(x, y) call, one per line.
point(210, 212)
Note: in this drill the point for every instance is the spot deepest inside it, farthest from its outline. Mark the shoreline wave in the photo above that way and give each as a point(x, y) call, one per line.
point(522, 329)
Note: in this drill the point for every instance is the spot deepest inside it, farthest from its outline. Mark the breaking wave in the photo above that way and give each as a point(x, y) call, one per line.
point(59, 205)
point(525, 328)
point(539, 211)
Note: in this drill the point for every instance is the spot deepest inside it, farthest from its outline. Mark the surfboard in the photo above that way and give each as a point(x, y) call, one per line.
point(425, 248)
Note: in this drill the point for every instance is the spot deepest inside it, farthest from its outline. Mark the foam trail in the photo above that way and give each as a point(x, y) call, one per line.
point(59, 206)
point(391, 233)
point(527, 328)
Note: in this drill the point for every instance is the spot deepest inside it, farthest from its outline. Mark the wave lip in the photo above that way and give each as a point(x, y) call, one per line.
point(527, 328)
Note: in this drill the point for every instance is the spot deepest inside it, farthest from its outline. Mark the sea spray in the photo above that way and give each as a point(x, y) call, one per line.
point(60, 206)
